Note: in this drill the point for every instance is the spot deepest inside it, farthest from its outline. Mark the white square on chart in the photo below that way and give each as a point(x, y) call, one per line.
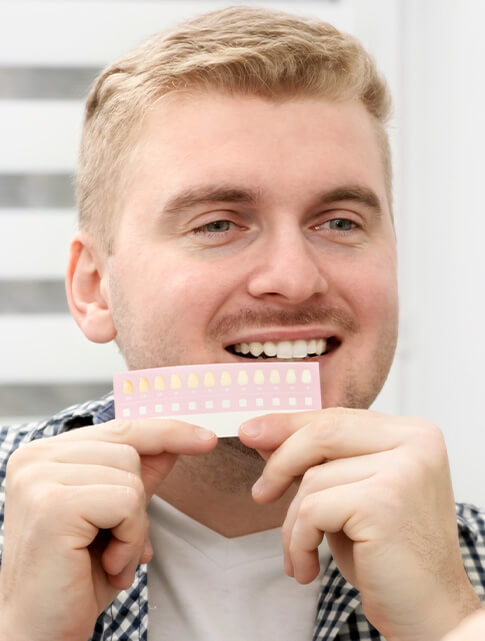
point(292, 400)
point(308, 400)
point(143, 410)
point(126, 411)
point(226, 404)
point(243, 402)
point(175, 407)
point(209, 405)
point(259, 402)
point(276, 401)
point(192, 405)
point(159, 409)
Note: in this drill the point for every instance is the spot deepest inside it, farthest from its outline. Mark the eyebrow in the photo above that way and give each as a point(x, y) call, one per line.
point(356, 193)
point(194, 196)
point(210, 194)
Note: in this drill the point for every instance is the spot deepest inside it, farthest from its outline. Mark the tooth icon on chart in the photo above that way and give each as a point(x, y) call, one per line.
point(209, 380)
point(193, 380)
point(306, 376)
point(242, 377)
point(274, 377)
point(226, 379)
point(175, 381)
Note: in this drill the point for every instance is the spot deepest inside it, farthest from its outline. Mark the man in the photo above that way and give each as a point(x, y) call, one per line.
point(235, 187)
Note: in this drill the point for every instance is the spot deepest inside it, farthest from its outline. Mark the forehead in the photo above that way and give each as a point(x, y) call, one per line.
point(288, 146)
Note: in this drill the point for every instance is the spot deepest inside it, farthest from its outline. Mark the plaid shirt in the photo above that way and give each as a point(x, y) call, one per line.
point(339, 610)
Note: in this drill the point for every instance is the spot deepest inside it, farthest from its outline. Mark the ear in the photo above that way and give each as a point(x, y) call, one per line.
point(87, 291)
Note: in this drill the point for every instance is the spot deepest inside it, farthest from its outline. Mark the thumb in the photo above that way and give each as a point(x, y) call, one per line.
point(154, 469)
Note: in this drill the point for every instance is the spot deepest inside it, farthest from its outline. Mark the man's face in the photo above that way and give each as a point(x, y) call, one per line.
point(249, 222)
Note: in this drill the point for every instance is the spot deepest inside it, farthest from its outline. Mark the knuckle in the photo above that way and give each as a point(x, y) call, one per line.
point(19, 478)
point(22, 455)
point(310, 478)
point(431, 450)
point(132, 498)
point(135, 482)
point(44, 500)
point(307, 508)
point(131, 457)
point(325, 431)
point(120, 428)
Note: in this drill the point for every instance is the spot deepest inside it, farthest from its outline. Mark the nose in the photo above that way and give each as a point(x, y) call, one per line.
point(287, 268)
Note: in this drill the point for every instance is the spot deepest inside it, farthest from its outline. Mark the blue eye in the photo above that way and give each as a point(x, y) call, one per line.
point(341, 224)
point(218, 226)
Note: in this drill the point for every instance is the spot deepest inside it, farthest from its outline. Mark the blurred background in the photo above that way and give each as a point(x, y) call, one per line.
point(432, 53)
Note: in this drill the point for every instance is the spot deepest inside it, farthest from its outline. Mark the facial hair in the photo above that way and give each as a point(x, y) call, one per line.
point(232, 466)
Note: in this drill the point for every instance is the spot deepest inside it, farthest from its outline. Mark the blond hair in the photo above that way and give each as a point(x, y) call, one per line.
point(237, 50)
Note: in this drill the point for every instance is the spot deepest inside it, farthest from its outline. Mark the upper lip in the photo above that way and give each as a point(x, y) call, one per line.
point(283, 334)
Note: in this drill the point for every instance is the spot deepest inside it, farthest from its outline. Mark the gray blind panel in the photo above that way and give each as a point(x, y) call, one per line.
point(46, 83)
point(33, 297)
point(45, 400)
point(36, 190)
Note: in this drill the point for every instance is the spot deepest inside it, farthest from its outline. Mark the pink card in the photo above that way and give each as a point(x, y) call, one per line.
point(217, 396)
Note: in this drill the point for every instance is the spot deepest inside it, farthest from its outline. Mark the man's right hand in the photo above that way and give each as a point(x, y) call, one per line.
point(76, 525)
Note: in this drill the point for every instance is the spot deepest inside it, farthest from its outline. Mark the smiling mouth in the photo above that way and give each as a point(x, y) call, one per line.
point(285, 350)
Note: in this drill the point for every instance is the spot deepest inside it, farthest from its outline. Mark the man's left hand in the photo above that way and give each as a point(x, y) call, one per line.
point(378, 487)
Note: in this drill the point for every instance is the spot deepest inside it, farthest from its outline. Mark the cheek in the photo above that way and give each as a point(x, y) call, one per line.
point(375, 292)
point(193, 290)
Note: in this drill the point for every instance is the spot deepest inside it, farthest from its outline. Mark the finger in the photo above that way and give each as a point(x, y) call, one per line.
point(155, 440)
point(325, 511)
point(147, 553)
point(124, 580)
point(325, 476)
point(337, 432)
point(120, 554)
point(87, 509)
point(154, 470)
point(58, 450)
point(80, 474)
point(310, 446)
point(148, 436)
point(119, 455)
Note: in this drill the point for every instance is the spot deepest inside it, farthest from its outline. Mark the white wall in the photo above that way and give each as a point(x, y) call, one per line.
point(442, 227)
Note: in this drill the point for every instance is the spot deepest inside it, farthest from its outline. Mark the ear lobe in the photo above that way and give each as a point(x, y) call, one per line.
point(86, 291)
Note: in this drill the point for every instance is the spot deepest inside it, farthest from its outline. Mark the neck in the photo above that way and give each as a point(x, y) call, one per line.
point(215, 490)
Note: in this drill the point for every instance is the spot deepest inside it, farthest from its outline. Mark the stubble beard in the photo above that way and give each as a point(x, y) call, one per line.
point(232, 467)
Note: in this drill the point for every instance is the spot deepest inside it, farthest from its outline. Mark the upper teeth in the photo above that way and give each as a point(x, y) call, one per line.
point(283, 349)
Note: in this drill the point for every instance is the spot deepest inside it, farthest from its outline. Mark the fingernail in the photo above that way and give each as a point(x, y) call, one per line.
point(258, 487)
point(252, 428)
point(204, 435)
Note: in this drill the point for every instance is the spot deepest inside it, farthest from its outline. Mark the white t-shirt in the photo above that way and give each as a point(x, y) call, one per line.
point(206, 587)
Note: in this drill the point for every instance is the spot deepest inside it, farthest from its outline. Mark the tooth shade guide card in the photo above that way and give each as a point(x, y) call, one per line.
point(218, 396)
